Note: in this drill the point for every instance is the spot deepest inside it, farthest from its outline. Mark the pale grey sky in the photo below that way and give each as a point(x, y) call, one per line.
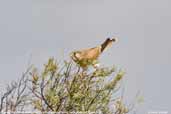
point(43, 28)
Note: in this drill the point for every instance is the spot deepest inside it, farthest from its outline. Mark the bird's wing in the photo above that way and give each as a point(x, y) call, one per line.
point(91, 53)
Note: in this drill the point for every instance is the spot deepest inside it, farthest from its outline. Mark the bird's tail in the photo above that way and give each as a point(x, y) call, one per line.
point(107, 43)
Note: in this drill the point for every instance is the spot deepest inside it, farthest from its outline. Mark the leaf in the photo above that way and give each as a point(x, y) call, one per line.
point(140, 99)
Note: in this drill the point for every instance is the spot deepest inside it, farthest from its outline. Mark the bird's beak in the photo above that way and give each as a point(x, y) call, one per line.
point(71, 54)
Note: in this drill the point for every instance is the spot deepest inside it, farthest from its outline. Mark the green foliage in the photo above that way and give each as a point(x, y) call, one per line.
point(50, 67)
point(66, 88)
point(69, 89)
point(86, 62)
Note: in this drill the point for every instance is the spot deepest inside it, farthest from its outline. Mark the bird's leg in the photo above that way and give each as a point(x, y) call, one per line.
point(84, 72)
point(78, 70)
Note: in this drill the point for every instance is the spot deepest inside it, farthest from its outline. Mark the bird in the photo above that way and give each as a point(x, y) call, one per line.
point(86, 57)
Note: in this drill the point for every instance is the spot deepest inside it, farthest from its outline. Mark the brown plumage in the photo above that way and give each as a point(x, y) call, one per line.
point(86, 57)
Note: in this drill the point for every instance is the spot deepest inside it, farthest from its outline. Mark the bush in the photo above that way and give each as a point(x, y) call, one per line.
point(66, 88)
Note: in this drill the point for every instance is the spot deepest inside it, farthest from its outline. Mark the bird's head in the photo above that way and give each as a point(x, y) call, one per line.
point(75, 56)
